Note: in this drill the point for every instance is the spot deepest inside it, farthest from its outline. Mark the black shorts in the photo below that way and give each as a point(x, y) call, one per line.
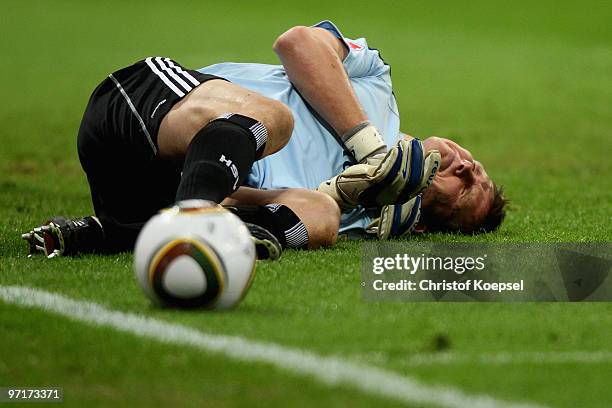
point(117, 141)
point(127, 108)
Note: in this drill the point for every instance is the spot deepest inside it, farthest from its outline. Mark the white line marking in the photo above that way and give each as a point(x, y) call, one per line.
point(329, 370)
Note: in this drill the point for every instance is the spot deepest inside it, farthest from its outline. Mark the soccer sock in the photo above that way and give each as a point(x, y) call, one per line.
point(279, 219)
point(364, 141)
point(220, 156)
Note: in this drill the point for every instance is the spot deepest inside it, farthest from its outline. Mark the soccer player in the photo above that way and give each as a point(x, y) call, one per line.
point(339, 91)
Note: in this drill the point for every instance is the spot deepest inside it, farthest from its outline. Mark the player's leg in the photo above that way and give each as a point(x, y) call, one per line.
point(127, 185)
point(213, 99)
point(130, 169)
point(117, 149)
point(166, 142)
point(284, 212)
point(219, 130)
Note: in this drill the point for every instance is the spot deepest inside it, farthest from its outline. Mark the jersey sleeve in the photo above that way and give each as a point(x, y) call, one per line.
point(361, 60)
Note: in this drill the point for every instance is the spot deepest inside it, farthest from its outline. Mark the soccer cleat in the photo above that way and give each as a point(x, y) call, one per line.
point(62, 236)
point(266, 244)
point(385, 179)
point(397, 221)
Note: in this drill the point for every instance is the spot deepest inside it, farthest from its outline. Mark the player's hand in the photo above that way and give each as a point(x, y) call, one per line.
point(385, 179)
point(47, 239)
point(397, 221)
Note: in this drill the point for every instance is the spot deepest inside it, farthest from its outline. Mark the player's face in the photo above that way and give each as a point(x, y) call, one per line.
point(461, 186)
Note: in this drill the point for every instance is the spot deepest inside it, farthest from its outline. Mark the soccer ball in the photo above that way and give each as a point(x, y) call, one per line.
point(195, 254)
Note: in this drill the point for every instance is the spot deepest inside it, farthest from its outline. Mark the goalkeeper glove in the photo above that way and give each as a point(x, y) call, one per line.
point(391, 178)
point(396, 221)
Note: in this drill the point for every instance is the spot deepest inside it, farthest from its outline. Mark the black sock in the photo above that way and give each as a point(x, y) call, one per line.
point(280, 220)
point(220, 156)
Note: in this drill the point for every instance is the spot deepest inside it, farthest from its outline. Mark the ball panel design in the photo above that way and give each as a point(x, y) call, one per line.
point(184, 278)
point(207, 260)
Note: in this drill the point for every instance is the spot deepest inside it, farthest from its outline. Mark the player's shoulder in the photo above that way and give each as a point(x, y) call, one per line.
point(352, 44)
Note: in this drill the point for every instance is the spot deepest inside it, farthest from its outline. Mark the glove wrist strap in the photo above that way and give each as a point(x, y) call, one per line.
point(364, 141)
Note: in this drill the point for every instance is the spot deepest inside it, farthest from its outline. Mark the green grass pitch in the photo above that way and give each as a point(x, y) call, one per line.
point(527, 86)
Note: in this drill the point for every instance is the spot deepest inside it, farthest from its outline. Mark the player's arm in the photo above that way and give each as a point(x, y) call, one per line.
point(312, 58)
point(319, 214)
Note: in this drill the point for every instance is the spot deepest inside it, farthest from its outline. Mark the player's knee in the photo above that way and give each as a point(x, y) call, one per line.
point(323, 230)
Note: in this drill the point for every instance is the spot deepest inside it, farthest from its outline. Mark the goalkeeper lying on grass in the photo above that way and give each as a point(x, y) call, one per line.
point(345, 142)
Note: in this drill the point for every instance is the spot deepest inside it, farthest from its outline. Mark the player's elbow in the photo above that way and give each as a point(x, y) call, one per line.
point(288, 42)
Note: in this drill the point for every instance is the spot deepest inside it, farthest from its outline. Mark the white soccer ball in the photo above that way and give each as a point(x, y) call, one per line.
point(195, 254)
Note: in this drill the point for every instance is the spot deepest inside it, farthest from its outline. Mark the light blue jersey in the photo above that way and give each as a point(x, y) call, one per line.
point(313, 154)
